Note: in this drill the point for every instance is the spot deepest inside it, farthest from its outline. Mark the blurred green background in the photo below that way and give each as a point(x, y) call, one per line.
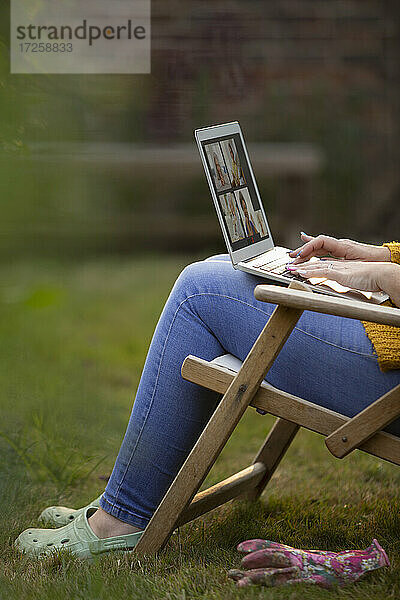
point(107, 164)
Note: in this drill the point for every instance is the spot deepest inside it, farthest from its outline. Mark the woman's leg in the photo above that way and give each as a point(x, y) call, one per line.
point(212, 310)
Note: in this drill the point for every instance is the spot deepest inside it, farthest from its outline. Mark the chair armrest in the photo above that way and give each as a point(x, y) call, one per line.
point(342, 307)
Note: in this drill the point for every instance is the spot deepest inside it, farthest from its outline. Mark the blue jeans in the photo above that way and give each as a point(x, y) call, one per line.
point(211, 311)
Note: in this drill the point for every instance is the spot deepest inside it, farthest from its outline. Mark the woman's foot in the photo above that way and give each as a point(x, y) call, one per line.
point(104, 525)
point(77, 537)
point(58, 516)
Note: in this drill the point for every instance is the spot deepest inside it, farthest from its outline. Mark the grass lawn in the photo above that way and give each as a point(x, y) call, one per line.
point(73, 342)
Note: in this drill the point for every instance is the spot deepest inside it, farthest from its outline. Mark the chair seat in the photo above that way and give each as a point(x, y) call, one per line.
point(228, 361)
point(218, 374)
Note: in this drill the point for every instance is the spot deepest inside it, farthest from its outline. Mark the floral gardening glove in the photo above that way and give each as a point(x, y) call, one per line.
point(272, 564)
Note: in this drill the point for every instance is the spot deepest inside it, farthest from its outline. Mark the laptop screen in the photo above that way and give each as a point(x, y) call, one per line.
point(242, 214)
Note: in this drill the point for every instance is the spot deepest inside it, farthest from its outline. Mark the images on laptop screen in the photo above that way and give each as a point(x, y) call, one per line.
point(243, 218)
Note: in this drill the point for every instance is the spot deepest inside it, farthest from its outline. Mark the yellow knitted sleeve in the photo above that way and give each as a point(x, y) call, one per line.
point(386, 339)
point(394, 248)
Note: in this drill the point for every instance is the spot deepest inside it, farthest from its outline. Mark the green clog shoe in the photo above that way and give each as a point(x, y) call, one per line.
point(77, 537)
point(58, 516)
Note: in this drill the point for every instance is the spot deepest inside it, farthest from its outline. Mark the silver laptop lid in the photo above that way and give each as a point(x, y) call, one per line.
point(234, 191)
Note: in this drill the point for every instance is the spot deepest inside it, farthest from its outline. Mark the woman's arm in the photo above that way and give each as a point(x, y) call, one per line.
point(389, 282)
point(394, 248)
point(360, 266)
point(324, 245)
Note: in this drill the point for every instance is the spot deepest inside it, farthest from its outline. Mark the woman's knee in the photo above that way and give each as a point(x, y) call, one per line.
point(220, 257)
point(200, 273)
point(188, 281)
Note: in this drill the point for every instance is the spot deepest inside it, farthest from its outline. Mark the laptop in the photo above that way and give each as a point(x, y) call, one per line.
point(242, 216)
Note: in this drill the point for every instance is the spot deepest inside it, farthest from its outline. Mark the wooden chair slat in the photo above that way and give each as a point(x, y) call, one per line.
point(291, 408)
point(223, 491)
point(363, 426)
point(342, 307)
point(272, 451)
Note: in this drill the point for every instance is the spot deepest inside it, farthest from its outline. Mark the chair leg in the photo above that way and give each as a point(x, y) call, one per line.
point(272, 451)
point(218, 430)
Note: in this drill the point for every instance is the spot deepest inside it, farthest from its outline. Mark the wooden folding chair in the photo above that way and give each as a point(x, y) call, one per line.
point(247, 388)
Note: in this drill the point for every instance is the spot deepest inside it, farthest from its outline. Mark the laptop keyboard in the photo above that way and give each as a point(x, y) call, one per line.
point(282, 270)
point(276, 265)
point(271, 258)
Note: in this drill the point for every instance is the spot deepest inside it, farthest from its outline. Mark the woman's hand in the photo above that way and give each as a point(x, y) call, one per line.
point(324, 245)
point(367, 276)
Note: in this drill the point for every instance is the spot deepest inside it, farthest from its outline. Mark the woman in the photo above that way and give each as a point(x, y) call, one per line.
point(237, 175)
point(231, 219)
point(235, 218)
point(212, 310)
point(249, 226)
point(221, 179)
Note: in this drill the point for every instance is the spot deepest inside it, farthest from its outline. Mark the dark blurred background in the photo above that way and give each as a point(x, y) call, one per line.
point(104, 164)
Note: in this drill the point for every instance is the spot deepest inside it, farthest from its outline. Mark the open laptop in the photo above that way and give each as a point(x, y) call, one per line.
point(242, 216)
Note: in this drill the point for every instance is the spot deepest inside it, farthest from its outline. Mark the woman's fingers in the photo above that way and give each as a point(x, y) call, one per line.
point(297, 251)
point(268, 557)
point(324, 245)
point(316, 246)
point(351, 273)
point(328, 269)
